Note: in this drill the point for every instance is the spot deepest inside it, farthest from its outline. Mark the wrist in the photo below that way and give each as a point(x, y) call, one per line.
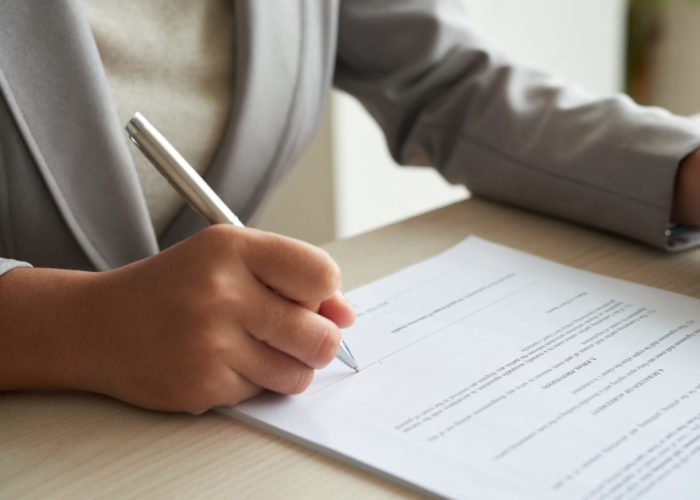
point(686, 197)
point(41, 315)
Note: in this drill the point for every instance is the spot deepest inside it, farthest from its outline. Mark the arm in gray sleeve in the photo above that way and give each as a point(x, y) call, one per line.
point(446, 97)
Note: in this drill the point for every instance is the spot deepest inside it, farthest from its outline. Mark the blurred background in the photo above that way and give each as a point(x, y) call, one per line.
point(347, 183)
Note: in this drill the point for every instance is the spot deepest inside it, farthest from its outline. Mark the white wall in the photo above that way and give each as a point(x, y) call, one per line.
point(303, 205)
point(580, 40)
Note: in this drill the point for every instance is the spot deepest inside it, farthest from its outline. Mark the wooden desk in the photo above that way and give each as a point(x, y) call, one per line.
point(68, 445)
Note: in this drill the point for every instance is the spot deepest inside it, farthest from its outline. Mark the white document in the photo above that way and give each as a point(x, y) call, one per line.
point(490, 373)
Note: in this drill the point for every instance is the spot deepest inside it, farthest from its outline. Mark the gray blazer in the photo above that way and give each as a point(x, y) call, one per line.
point(445, 97)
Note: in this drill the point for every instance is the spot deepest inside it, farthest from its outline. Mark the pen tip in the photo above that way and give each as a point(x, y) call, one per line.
point(356, 368)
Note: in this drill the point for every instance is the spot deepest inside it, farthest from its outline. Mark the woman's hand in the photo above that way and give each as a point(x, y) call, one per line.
point(210, 321)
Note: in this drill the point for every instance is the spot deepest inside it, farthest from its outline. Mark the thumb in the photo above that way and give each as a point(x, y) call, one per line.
point(338, 310)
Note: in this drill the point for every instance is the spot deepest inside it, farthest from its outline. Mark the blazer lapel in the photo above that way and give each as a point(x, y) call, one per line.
point(268, 58)
point(52, 78)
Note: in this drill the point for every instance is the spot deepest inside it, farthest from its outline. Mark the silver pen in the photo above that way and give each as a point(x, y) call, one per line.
point(192, 187)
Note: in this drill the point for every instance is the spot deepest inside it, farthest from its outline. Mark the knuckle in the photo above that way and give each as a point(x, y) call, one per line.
point(300, 380)
point(215, 287)
point(212, 346)
point(204, 393)
point(330, 274)
point(213, 236)
point(270, 322)
point(237, 300)
point(324, 273)
point(218, 231)
point(326, 344)
point(224, 240)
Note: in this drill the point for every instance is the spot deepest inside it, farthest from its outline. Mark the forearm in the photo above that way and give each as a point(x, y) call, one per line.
point(42, 312)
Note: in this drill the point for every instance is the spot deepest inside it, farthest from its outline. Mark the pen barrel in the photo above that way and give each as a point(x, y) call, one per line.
point(179, 173)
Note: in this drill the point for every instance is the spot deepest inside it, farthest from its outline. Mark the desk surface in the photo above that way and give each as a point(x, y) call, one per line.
point(66, 445)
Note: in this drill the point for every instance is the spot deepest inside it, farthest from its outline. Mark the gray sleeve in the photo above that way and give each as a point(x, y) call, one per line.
point(9, 264)
point(447, 98)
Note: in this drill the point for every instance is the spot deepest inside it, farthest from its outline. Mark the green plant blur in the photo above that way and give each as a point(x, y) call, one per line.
point(643, 29)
